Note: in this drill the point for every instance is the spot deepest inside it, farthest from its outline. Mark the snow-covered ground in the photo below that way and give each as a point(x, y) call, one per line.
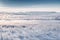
point(30, 16)
point(47, 28)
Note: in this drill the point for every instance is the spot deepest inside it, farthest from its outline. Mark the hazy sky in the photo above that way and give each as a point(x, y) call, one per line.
point(30, 5)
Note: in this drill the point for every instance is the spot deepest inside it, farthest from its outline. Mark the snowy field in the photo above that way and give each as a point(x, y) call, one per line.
point(30, 27)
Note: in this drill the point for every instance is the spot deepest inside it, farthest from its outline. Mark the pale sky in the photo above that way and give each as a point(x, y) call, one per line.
point(9, 9)
point(29, 5)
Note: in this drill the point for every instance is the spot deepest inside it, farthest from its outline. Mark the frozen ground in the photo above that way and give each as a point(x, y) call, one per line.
point(44, 29)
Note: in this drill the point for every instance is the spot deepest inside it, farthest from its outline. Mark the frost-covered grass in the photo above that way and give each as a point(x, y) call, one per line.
point(43, 30)
point(28, 26)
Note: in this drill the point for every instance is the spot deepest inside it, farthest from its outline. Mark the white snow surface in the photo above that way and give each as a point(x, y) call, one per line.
point(46, 28)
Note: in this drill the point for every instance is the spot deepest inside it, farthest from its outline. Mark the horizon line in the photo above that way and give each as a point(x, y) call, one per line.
point(8, 9)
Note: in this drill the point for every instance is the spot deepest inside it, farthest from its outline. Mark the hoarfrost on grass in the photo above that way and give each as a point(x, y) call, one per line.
point(43, 31)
